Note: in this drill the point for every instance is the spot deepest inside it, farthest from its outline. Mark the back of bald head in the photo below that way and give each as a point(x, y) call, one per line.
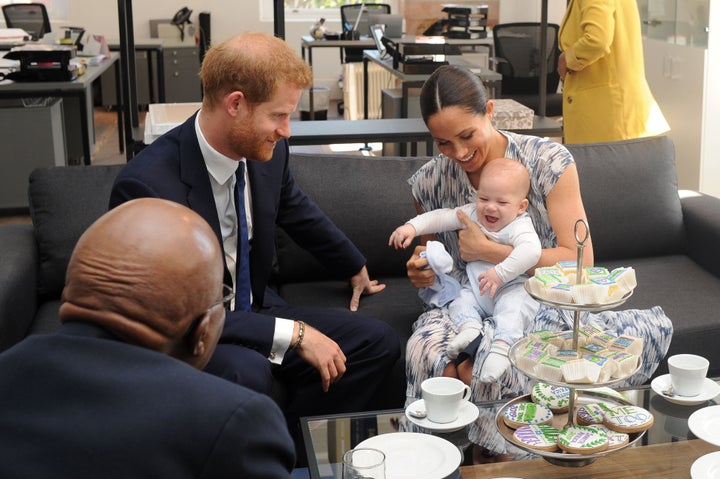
point(144, 271)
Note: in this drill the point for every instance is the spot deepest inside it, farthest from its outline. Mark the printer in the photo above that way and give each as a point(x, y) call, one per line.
point(43, 63)
point(418, 56)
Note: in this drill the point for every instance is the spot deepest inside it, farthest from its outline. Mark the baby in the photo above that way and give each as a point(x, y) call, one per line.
point(493, 289)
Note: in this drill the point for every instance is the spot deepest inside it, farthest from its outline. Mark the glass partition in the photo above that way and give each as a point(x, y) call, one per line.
point(681, 22)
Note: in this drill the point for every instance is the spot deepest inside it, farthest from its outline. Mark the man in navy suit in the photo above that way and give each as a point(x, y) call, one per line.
point(327, 361)
point(117, 393)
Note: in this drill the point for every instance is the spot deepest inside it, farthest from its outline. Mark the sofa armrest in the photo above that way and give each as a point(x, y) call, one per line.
point(701, 215)
point(18, 282)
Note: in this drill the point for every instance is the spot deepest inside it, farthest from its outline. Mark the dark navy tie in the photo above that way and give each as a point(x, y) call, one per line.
point(242, 289)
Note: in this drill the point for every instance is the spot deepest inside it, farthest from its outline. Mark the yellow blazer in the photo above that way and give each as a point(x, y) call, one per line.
point(605, 94)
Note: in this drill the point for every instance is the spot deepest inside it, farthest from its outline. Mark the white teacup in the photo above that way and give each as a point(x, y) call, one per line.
point(443, 397)
point(687, 373)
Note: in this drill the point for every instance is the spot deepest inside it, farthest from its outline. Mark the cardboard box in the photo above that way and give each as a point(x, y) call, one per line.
point(509, 114)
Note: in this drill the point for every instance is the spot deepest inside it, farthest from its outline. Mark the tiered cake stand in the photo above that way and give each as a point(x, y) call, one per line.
point(580, 394)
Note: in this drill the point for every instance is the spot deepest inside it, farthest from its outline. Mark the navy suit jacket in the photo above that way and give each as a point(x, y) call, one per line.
point(82, 404)
point(172, 167)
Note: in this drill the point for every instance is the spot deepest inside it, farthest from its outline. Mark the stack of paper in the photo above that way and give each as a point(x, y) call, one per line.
point(13, 36)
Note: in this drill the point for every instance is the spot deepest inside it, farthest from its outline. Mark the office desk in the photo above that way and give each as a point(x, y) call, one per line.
point(392, 130)
point(490, 77)
point(80, 90)
point(308, 43)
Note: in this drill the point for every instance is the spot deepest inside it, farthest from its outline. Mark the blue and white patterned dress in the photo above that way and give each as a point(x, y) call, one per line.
point(441, 183)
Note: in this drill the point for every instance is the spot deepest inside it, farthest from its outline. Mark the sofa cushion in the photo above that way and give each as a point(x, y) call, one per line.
point(63, 202)
point(690, 297)
point(18, 300)
point(629, 189)
point(386, 203)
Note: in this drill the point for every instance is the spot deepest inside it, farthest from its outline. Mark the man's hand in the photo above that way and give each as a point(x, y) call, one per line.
point(418, 269)
point(471, 238)
point(323, 354)
point(361, 284)
point(489, 281)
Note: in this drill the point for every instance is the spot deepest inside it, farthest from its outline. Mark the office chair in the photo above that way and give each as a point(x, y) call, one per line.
point(349, 18)
point(31, 17)
point(517, 59)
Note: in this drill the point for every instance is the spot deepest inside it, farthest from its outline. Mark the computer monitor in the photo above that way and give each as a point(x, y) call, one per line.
point(393, 23)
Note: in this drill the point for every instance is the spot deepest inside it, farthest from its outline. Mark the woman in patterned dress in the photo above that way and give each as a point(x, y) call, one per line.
point(456, 110)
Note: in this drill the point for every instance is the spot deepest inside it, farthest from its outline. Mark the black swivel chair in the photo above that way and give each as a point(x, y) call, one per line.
point(31, 17)
point(517, 59)
point(348, 17)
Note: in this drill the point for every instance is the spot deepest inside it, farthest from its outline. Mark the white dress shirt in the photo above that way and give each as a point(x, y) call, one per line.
point(221, 169)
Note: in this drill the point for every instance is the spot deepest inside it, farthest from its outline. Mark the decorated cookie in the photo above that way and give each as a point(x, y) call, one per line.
point(524, 413)
point(615, 439)
point(557, 398)
point(582, 440)
point(593, 413)
point(541, 437)
point(628, 419)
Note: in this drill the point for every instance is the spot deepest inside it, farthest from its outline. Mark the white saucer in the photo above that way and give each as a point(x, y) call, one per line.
point(705, 424)
point(467, 414)
point(706, 467)
point(709, 391)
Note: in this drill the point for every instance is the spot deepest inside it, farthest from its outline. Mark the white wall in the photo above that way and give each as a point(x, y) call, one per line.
point(530, 11)
point(227, 18)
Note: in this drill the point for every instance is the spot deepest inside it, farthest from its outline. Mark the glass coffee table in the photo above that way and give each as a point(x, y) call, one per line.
point(328, 437)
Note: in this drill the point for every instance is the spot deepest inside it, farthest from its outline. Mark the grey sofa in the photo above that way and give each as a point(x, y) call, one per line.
point(629, 188)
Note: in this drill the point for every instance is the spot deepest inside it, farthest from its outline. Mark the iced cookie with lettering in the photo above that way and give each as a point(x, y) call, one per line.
point(615, 439)
point(524, 413)
point(541, 437)
point(557, 398)
point(592, 413)
point(628, 419)
point(582, 440)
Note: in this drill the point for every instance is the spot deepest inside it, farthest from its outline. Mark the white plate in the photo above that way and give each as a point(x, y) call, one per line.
point(706, 467)
point(709, 391)
point(705, 424)
point(411, 455)
point(467, 414)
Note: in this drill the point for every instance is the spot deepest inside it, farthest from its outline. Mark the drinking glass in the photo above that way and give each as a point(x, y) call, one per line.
point(364, 463)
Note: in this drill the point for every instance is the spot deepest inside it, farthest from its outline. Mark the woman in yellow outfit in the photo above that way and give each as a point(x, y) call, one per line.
point(605, 95)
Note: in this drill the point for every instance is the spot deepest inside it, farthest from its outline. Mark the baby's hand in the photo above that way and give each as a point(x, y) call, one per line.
point(489, 281)
point(402, 236)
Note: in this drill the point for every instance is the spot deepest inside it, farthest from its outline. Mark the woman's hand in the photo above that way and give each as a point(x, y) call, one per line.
point(475, 246)
point(562, 68)
point(472, 239)
point(418, 269)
